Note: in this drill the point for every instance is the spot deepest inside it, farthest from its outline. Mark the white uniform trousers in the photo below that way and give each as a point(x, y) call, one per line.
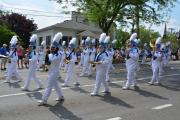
point(143, 59)
point(90, 69)
point(12, 69)
point(155, 77)
point(66, 67)
point(11, 72)
point(85, 67)
point(41, 61)
point(161, 66)
point(71, 73)
point(32, 75)
point(52, 83)
point(81, 62)
point(100, 78)
point(107, 70)
point(130, 77)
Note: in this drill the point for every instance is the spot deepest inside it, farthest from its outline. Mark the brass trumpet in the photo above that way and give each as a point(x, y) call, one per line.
point(94, 63)
point(66, 61)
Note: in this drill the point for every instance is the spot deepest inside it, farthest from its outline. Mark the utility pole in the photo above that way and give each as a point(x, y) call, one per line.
point(171, 30)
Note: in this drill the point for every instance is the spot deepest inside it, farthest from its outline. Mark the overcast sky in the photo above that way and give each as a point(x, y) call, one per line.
point(46, 12)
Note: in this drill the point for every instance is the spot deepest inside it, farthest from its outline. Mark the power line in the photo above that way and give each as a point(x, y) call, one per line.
point(66, 1)
point(31, 10)
point(46, 15)
point(71, 1)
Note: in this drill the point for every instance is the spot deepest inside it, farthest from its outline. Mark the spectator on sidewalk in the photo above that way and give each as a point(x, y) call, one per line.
point(20, 56)
point(3, 51)
point(26, 59)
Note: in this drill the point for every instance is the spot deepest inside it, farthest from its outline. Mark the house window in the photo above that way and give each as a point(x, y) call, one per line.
point(48, 40)
point(84, 37)
point(67, 39)
point(40, 40)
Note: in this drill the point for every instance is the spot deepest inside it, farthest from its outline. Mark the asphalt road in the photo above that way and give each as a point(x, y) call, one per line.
point(146, 103)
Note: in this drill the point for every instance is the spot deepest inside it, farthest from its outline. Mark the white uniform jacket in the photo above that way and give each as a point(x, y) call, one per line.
point(54, 59)
point(102, 57)
point(132, 59)
point(156, 59)
point(33, 57)
point(92, 53)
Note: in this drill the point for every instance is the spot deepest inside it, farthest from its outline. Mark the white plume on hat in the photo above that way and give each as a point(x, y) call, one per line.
point(137, 40)
point(114, 41)
point(57, 37)
point(158, 40)
point(43, 43)
point(107, 39)
point(145, 44)
point(73, 41)
point(93, 40)
point(168, 43)
point(88, 39)
point(82, 42)
point(63, 43)
point(33, 38)
point(102, 37)
point(133, 36)
point(162, 46)
point(13, 40)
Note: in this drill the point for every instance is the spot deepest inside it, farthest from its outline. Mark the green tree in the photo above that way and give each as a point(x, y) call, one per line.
point(147, 35)
point(103, 12)
point(173, 39)
point(122, 37)
point(150, 11)
point(20, 25)
point(5, 35)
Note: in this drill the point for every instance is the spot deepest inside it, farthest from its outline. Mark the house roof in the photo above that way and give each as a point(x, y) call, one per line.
point(69, 24)
point(88, 33)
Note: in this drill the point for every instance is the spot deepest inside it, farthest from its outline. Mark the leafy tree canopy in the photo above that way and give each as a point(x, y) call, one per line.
point(20, 25)
point(105, 12)
point(5, 35)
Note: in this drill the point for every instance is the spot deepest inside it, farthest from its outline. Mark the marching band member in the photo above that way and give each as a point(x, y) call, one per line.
point(131, 62)
point(164, 57)
point(62, 64)
point(13, 58)
point(55, 59)
point(66, 54)
point(70, 60)
point(41, 55)
point(86, 52)
point(101, 62)
point(110, 52)
point(33, 58)
point(92, 55)
point(123, 52)
point(137, 41)
point(167, 52)
point(145, 52)
point(82, 55)
point(156, 62)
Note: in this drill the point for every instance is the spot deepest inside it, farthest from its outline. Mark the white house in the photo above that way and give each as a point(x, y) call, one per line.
point(76, 27)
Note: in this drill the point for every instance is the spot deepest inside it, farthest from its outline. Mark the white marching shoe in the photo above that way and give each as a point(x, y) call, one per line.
point(60, 99)
point(42, 102)
point(125, 88)
point(94, 94)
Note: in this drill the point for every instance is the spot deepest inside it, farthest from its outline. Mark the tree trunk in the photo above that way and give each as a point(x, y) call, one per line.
point(137, 20)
